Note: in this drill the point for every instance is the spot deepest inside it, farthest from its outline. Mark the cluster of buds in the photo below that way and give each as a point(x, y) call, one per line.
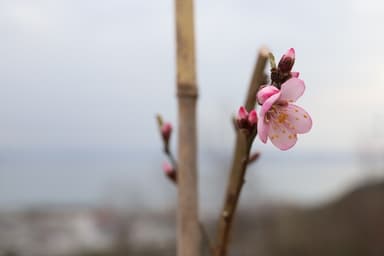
point(165, 129)
point(245, 120)
point(282, 72)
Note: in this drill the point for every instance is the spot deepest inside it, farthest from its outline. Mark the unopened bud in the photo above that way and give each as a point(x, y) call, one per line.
point(169, 171)
point(167, 168)
point(242, 118)
point(252, 118)
point(287, 61)
point(166, 131)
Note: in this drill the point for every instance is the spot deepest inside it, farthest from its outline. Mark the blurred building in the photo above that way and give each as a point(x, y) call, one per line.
point(51, 232)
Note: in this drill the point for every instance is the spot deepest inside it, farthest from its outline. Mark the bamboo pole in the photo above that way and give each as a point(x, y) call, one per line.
point(239, 162)
point(188, 243)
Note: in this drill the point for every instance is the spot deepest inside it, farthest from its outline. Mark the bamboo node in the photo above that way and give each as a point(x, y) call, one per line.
point(188, 90)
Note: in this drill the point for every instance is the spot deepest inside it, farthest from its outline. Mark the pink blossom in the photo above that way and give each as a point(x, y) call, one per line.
point(280, 120)
point(295, 74)
point(166, 130)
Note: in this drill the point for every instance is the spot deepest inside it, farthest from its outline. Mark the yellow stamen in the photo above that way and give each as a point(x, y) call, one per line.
point(282, 117)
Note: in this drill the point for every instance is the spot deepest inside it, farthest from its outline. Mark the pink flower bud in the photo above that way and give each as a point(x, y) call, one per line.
point(295, 74)
point(290, 53)
point(166, 131)
point(242, 114)
point(167, 168)
point(252, 118)
point(287, 61)
point(242, 118)
point(265, 93)
point(170, 171)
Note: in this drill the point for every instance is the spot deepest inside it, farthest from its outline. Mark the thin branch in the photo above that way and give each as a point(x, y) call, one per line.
point(240, 161)
point(258, 78)
point(253, 157)
point(171, 158)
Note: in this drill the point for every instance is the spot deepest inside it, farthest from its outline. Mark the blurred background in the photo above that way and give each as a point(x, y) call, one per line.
point(80, 153)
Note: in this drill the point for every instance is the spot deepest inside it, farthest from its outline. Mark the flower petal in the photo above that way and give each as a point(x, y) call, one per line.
point(262, 124)
point(298, 119)
point(265, 93)
point(262, 130)
point(268, 104)
point(281, 137)
point(292, 89)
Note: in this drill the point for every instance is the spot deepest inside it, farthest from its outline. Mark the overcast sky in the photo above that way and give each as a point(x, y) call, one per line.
point(95, 72)
point(92, 74)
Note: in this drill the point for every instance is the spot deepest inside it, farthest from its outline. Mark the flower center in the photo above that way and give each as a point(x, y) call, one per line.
point(282, 117)
point(279, 116)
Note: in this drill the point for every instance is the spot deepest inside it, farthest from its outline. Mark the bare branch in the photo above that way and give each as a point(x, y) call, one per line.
point(240, 161)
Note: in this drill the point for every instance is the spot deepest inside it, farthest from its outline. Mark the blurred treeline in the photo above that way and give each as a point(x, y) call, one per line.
point(350, 226)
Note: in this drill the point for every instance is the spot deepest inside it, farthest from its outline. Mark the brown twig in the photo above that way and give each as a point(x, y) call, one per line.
point(188, 243)
point(171, 158)
point(172, 176)
point(240, 161)
point(253, 157)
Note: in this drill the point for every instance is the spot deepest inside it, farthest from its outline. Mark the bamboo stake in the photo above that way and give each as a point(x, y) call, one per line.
point(240, 161)
point(188, 243)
